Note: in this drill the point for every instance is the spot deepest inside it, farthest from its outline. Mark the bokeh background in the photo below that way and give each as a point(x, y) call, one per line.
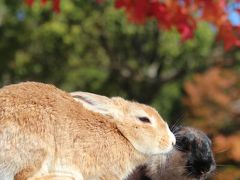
point(92, 46)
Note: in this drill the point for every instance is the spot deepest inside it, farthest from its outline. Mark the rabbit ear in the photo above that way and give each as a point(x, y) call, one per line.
point(93, 102)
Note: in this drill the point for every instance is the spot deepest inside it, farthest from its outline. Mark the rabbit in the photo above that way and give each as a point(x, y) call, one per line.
point(45, 133)
point(191, 159)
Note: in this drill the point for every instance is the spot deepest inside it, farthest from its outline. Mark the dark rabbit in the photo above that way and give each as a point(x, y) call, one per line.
point(192, 159)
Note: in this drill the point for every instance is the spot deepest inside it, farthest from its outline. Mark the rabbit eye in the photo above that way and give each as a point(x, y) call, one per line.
point(144, 119)
point(183, 144)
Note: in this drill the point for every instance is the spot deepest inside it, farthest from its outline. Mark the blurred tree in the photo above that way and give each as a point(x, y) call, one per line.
point(212, 104)
point(216, 103)
point(92, 47)
point(183, 15)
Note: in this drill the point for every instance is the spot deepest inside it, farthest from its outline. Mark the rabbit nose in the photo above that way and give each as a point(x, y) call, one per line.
point(173, 140)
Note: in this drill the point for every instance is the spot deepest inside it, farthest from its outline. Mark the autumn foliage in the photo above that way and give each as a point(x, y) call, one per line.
point(211, 97)
point(213, 104)
point(182, 15)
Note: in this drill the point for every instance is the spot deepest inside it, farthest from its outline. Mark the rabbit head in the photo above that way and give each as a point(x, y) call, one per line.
point(140, 124)
point(196, 145)
point(191, 159)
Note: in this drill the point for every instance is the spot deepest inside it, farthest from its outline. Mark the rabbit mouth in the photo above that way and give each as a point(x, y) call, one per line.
point(160, 151)
point(167, 150)
point(200, 169)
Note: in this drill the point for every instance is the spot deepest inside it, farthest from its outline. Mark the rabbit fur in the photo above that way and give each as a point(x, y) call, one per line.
point(44, 132)
point(191, 159)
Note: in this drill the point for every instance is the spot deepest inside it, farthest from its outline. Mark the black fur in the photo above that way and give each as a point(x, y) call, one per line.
point(197, 146)
point(197, 156)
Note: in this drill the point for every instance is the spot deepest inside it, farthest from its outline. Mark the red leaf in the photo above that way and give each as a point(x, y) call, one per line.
point(183, 15)
point(140, 11)
point(56, 6)
point(123, 3)
point(137, 10)
point(185, 31)
point(214, 11)
point(227, 33)
point(177, 16)
point(43, 2)
point(237, 10)
point(29, 2)
point(161, 13)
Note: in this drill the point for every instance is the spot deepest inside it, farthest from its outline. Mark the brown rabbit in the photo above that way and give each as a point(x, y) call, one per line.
point(191, 159)
point(44, 132)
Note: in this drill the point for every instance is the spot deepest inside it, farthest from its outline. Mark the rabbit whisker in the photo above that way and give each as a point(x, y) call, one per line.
point(177, 122)
point(189, 174)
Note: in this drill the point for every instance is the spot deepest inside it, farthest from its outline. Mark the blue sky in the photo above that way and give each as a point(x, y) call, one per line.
point(234, 16)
